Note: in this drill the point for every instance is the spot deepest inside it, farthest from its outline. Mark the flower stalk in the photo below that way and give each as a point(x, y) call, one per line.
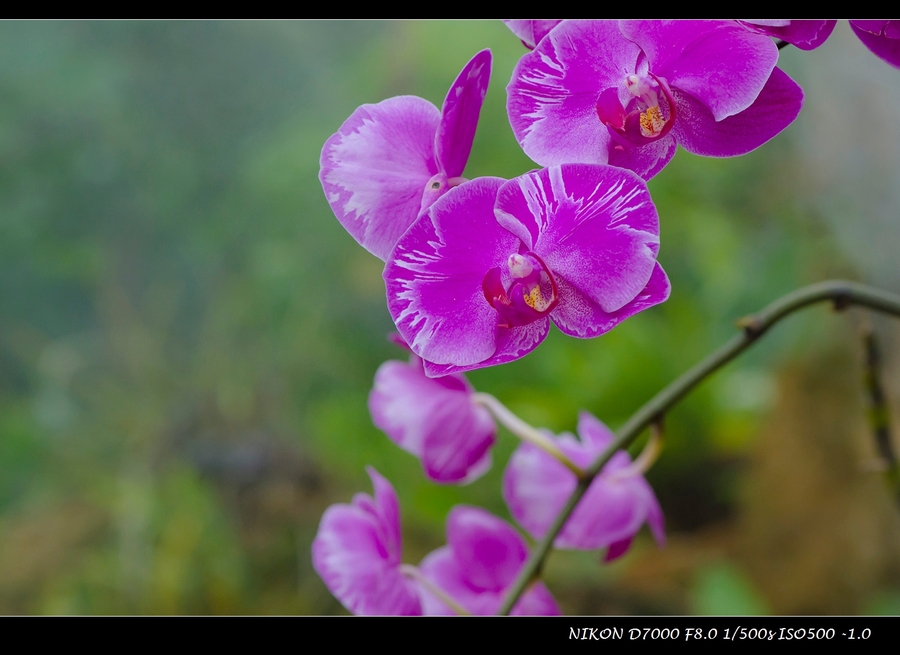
point(525, 432)
point(648, 455)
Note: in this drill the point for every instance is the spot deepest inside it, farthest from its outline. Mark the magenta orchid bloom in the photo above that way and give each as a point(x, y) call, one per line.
point(480, 562)
point(803, 34)
point(629, 93)
point(476, 280)
point(530, 32)
point(389, 161)
point(435, 419)
point(356, 552)
point(882, 37)
point(618, 502)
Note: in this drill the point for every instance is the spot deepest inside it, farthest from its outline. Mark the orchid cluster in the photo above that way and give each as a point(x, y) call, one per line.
point(476, 270)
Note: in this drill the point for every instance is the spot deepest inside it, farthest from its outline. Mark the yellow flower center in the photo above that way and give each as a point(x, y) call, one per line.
point(652, 122)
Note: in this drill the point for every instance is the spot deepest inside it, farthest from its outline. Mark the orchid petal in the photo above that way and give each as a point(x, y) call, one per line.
point(579, 316)
point(374, 169)
point(489, 551)
point(624, 504)
point(459, 115)
point(435, 274)
point(531, 31)
point(442, 570)
point(532, 488)
point(356, 552)
point(512, 344)
point(537, 601)
point(457, 449)
point(721, 63)
point(881, 37)
point(803, 34)
point(401, 420)
point(434, 419)
point(388, 511)
point(553, 92)
point(888, 28)
point(617, 549)
point(483, 556)
point(647, 160)
point(777, 106)
point(594, 226)
point(768, 22)
point(657, 522)
point(594, 432)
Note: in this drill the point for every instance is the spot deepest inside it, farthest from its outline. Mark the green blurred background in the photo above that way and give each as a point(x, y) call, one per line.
point(188, 337)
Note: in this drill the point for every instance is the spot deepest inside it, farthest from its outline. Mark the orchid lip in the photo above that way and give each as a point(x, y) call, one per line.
point(646, 123)
point(531, 296)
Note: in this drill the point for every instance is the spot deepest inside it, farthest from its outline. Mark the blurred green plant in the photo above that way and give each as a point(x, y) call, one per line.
point(721, 589)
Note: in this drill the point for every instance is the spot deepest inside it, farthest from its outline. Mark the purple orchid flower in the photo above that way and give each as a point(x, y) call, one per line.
point(882, 37)
point(803, 34)
point(618, 502)
point(435, 419)
point(389, 161)
point(628, 93)
point(476, 280)
point(356, 552)
point(480, 562)
point(530, 32)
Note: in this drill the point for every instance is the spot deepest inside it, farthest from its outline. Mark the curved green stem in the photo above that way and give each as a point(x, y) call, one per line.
point(840, 292)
